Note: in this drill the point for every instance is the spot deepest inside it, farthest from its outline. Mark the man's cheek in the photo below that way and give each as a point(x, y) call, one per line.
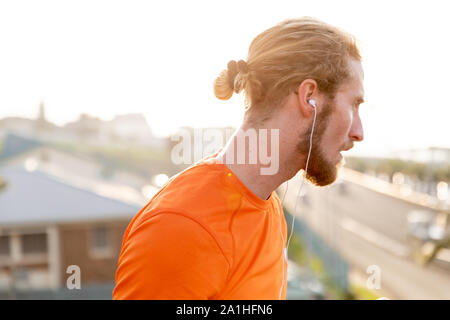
point(346, 125)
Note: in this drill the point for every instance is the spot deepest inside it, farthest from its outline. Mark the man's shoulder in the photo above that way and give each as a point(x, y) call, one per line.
point(202, 175)
point(196, 197)
point(197, 190)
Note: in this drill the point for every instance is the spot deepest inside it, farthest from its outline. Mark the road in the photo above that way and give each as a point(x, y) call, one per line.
point(368, 227)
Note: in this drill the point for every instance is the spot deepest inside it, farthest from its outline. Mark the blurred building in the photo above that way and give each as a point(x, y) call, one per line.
point(14, 144)
point(16, 125)
point(80, 168)
point(47, 225)
point(127, 129)
point(59, 209)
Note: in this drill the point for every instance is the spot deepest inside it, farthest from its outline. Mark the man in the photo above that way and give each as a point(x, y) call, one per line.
point(217, 230)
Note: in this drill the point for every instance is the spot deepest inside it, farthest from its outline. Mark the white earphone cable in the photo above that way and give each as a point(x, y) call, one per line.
point(304, 178)
point(296, 201)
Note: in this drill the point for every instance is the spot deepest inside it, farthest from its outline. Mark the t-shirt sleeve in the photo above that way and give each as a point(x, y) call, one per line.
point(170, 256)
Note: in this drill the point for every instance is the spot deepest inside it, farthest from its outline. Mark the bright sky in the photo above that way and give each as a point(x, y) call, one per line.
point(161, 58)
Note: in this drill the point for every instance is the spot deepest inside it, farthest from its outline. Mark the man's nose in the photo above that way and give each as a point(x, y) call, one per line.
point(356, 131)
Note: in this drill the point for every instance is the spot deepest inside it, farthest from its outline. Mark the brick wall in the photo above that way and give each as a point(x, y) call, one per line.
point(77, 247)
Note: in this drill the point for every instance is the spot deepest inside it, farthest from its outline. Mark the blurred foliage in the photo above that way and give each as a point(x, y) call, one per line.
point(332, 288)
point(297, 253)
point(296, 250)
point(146, 161)
point(361, 293)
point(420, 171)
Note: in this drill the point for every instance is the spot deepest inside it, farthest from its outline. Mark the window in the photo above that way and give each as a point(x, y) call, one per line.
point(34, 243)
point(100, 243)
point(4, 245)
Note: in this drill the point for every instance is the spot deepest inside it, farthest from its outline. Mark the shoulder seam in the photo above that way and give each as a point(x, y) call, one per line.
point(231, 232)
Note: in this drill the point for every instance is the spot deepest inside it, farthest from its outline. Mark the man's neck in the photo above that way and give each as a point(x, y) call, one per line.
point(249, 172)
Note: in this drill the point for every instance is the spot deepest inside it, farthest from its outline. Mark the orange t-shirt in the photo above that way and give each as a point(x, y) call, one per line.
point(204, 235)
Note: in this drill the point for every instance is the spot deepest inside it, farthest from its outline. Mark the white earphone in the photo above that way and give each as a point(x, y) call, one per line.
point(312, 102)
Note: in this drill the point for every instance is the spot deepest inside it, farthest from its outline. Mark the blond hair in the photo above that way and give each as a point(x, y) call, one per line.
point(281, 57)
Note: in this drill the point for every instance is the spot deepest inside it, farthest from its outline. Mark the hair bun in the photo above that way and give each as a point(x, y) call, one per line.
point(232, 67)
point(242, 66)
point(232, 79)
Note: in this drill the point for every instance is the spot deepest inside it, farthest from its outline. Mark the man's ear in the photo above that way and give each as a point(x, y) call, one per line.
point(308, 89)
